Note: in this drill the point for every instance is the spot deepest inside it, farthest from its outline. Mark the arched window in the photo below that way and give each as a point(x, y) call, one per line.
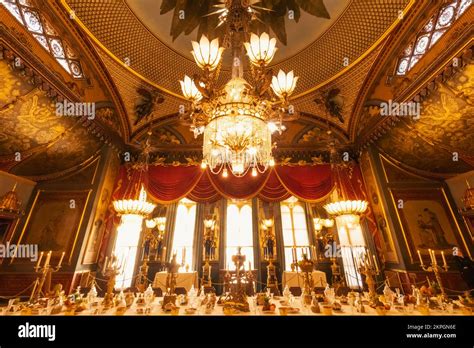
point(183, 236)
point(239, 233)
point(431, 32)
point(45, 34)
point(295, 231)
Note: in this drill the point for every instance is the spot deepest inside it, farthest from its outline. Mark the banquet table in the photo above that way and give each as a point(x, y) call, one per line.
point(184, 280)
point(156, 310)
point(295, 279)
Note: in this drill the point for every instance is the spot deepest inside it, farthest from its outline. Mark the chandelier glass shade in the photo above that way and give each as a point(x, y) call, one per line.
point(138, 206)
point(320, 223)
point(238, 119)
point(206, 53)
point(260, 50)
point(346, 207)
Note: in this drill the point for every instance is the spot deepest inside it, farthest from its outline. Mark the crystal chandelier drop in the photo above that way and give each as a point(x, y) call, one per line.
point(238, 119)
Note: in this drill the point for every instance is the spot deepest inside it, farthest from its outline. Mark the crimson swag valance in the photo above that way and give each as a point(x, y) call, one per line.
point(167, 184)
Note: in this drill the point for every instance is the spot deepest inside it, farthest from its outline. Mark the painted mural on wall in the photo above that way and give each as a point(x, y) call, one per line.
point(427, 220)
point(54, 221)
point(27, 116)
point(446, 125)
point(46, 143)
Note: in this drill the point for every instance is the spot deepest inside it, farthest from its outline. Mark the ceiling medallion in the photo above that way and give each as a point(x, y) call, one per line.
point(238, 119)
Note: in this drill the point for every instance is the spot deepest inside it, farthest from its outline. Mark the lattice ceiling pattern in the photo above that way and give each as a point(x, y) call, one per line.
point(349, 85)
point(127, 85)
point(117, 28)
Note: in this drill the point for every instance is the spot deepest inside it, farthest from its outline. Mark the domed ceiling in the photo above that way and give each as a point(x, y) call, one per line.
point(330, 45)
point(295, 31)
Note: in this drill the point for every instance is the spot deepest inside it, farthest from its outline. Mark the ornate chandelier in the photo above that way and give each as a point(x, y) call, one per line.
point(238, 119)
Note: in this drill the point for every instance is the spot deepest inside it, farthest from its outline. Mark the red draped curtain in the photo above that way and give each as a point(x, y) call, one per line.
point(167, 184)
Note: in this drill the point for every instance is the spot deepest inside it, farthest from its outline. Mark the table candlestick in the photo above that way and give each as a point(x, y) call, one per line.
point(43, 280)
point(110, 272)
point(437, 270)
point(421, 259)
point(307, 267)
point(206, 280)
point(272, 280)
point(370, 271)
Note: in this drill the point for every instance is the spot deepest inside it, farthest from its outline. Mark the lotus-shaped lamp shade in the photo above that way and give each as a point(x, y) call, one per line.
point(284, 84)
point(189, 89)
point(260, 50)
point(207, 54)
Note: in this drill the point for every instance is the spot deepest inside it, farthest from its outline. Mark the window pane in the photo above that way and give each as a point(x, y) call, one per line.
point(13, 9)
point(430, 34)
point(183, 236)
point(239, 233)
point(57, 48)
point(232, 227)
point(436, 36)
point(446, 17)
point(286, 225)
point(301, 232)
point(288, 258)
point(464, 5)
point(422, 44)
point(42, 40)
point(33, 22)
point(402, 66)
point(47, 36)
point(245, 226)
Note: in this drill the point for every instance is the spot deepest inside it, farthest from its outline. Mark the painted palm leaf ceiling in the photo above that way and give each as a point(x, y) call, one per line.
point(208, 15)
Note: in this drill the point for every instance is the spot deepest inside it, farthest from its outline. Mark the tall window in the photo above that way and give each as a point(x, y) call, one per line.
point(126, 246)
point(295, 231)
point(239, 233)
point(431, 32)
point(183, 236)
point(45, 34)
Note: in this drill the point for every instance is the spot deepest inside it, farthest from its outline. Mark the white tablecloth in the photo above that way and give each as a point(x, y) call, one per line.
point(295, 279)
point(184, 280)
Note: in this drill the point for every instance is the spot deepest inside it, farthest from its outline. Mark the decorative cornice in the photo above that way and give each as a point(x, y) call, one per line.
point(89, 51)
point(390, 47)
point(39, 76)
point(34, 68)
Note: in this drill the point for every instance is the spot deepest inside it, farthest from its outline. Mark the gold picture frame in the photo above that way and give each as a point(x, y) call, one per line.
point(427, 220)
